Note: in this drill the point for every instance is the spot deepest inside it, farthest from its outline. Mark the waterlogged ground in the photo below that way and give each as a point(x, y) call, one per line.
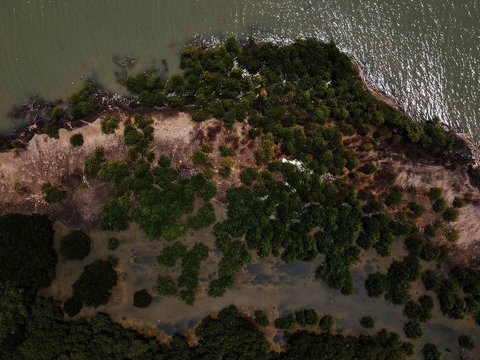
point(268, 284)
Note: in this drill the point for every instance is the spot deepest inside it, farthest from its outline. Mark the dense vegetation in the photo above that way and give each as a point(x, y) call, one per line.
point(27, 258)
point(94, 286)
point(75, 245)
point(46, 335)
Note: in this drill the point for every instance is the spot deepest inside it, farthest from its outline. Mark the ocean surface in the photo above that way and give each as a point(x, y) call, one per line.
point(426, 53)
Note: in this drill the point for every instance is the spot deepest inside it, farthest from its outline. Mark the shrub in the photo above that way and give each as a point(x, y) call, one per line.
point(142, 299)
point(113, 244)
point(76, 140)
point(58, 113)
point(207, 148)
point(171, 254)
point(285, 322)
point(226, 150)
point(452, 235)
point(75, 246)
point(376, 284)
point(326, 322)
point(199, 158)
point(307, 317)
point(416, 208)
point(466, 342)
point(458, 202)
point(113, 260)
point(204, 217)
point(72, 306)
point(439, 205)
point(225, 172)
point(413, 330)
point(367, 322)
point(450, 214)
point(166, 286)
point(52, 194)
point(115, 215)
point(435, 193)
point(95, 284)
point(249, 175)
point(51, 130)
point(261, 318)
point(394, 197)
point(368, 168)
point(94, 161)
point(430, 352)
point(109, 125)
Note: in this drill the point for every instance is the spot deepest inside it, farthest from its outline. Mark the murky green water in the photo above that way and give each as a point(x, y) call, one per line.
point(425, 52)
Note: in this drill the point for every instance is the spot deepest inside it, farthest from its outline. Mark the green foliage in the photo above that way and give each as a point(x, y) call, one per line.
point(430, 352)
point(367, 322)
point(166, 286)
point(450, 214)
point(439, 205)
point(435, 193)
point(51, 130)
point(204, 217)
point(171, 254)
point(458, 202)
point(187, 284)
point(225, 171)
point(113, 244)
point(76, 140)
point(326, 322)
point(115, 215)
point(199, 158)
point(109, 125)
point(466, 342)
point(261, 318)
point(266, 149)
point(72, 306)
point(14, 314)
point(394, 197)
point(368, 168)
point(226, 150)
point(75, 246)
point(52, 194)
point(306, 317)
point(95, 284)
point(27, 240)
point(421, 311)
point(229, 336)
point(286, 322)
point(82, 103)
point(114, 171)
point(325, 346)
point(249, 175)
point(95, 161)
point(142, 299)
point(376, 284)
point(58, 113)
point(413, 330)
point(416, 209)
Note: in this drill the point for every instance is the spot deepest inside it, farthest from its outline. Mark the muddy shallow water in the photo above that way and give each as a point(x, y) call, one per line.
point(268, 284)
